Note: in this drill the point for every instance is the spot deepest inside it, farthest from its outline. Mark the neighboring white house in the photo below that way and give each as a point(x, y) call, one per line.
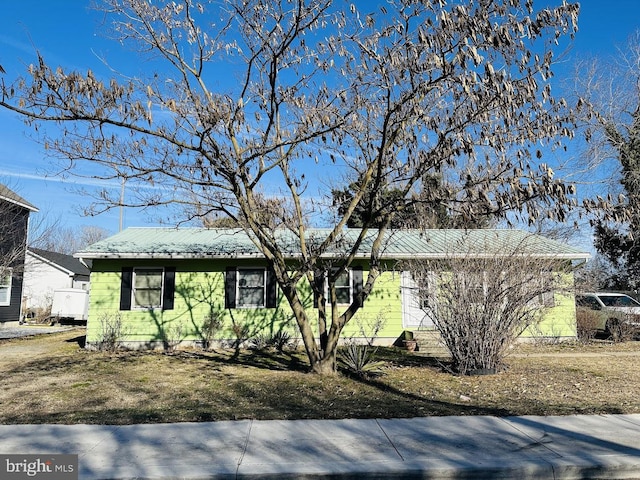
point(48, 271)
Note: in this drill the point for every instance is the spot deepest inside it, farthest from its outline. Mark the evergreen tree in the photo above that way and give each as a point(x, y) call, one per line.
point(619, 243)
point(429, 208)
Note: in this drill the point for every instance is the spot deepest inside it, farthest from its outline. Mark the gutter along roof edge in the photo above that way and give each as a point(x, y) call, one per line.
point(406, 256)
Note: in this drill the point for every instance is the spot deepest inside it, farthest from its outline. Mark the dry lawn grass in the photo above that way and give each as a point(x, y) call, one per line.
point(50, 379)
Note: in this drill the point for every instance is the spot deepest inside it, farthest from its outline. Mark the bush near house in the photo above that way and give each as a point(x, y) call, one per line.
point(587, 322)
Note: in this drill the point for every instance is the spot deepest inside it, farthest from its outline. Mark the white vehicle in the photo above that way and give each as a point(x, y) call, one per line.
point(616, 308)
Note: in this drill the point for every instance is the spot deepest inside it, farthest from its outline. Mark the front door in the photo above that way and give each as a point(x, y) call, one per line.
point(412, 315)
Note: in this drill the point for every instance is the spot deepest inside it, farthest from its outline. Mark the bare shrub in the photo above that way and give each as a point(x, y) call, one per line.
point(241, 332)
point(111, 332)
point(211, 325)
point(587, 322)
point(483, 300)
point(172, 337)
point(369, 328)
point(621, 328)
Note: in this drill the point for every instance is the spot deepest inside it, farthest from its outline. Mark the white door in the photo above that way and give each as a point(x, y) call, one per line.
point(412, 315)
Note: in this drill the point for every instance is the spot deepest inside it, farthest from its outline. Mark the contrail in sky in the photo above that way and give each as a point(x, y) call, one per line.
point(92, 182)
point(84, 181)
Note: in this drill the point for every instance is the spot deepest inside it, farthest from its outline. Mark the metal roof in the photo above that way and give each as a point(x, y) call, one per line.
point(195, 243)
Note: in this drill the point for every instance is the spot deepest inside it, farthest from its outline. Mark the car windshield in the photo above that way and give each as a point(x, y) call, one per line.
point(618, 301)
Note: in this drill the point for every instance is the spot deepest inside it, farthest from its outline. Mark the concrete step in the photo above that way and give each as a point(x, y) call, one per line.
point(430, 343)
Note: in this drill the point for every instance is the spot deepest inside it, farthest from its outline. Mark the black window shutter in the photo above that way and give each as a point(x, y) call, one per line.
point(168, 294)
point(126, 280)
point(356, 277)
point(230, 287)
point(271, 289)
point(318, 280)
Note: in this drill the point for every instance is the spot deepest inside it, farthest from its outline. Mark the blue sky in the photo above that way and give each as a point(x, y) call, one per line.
point(66, 32)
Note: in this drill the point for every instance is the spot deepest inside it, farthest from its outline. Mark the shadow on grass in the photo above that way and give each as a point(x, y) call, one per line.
point(198, 386)
point(80, 340)
point(263, 359)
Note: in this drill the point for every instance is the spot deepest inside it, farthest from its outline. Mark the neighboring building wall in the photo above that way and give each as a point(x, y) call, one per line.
point(12, 312)
point(40, 280)
point(16, 223)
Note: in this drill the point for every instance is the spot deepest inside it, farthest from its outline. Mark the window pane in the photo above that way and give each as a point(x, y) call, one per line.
point(343, 280)
point(148, 278)
point(625, 302)
point(343, 294)
point(589, 302)
point(343, 288)
point(547, 299)
point(147, 298)
point(253, 297)
point(251, 287)
point(147, 287)
point(5, 286)
point(251, 278)
point(5, 277)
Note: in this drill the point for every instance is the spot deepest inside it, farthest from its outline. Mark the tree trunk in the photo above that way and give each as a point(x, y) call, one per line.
point(326, 365)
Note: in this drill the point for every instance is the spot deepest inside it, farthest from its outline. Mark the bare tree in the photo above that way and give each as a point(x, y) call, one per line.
point(609, 112)
point(54, 236)
point(481, 297)
point(386, 96)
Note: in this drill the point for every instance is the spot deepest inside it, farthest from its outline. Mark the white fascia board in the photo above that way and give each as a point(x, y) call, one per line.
point(200, 256)
point(20, 204)
point(161, 256)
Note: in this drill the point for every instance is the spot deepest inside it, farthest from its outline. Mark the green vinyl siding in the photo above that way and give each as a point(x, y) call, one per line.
point(200, 289)
point(384, 303)
point(557, 321)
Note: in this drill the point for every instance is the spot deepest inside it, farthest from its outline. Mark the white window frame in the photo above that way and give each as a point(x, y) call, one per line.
point(476, 281)
point(239, 302)
point(7, 273)
point(427, 298)
point(546, 299)
point(349, 272)
point(134, 303)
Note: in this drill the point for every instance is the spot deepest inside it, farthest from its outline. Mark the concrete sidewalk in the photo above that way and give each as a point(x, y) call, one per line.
point(602, 446)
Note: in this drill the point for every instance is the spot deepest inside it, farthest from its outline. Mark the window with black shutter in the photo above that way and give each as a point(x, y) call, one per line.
point(250, 287)
point(147, 288)
point(348, 286)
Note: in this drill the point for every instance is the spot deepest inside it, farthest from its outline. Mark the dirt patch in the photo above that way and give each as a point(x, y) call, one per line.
point(47, 342)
